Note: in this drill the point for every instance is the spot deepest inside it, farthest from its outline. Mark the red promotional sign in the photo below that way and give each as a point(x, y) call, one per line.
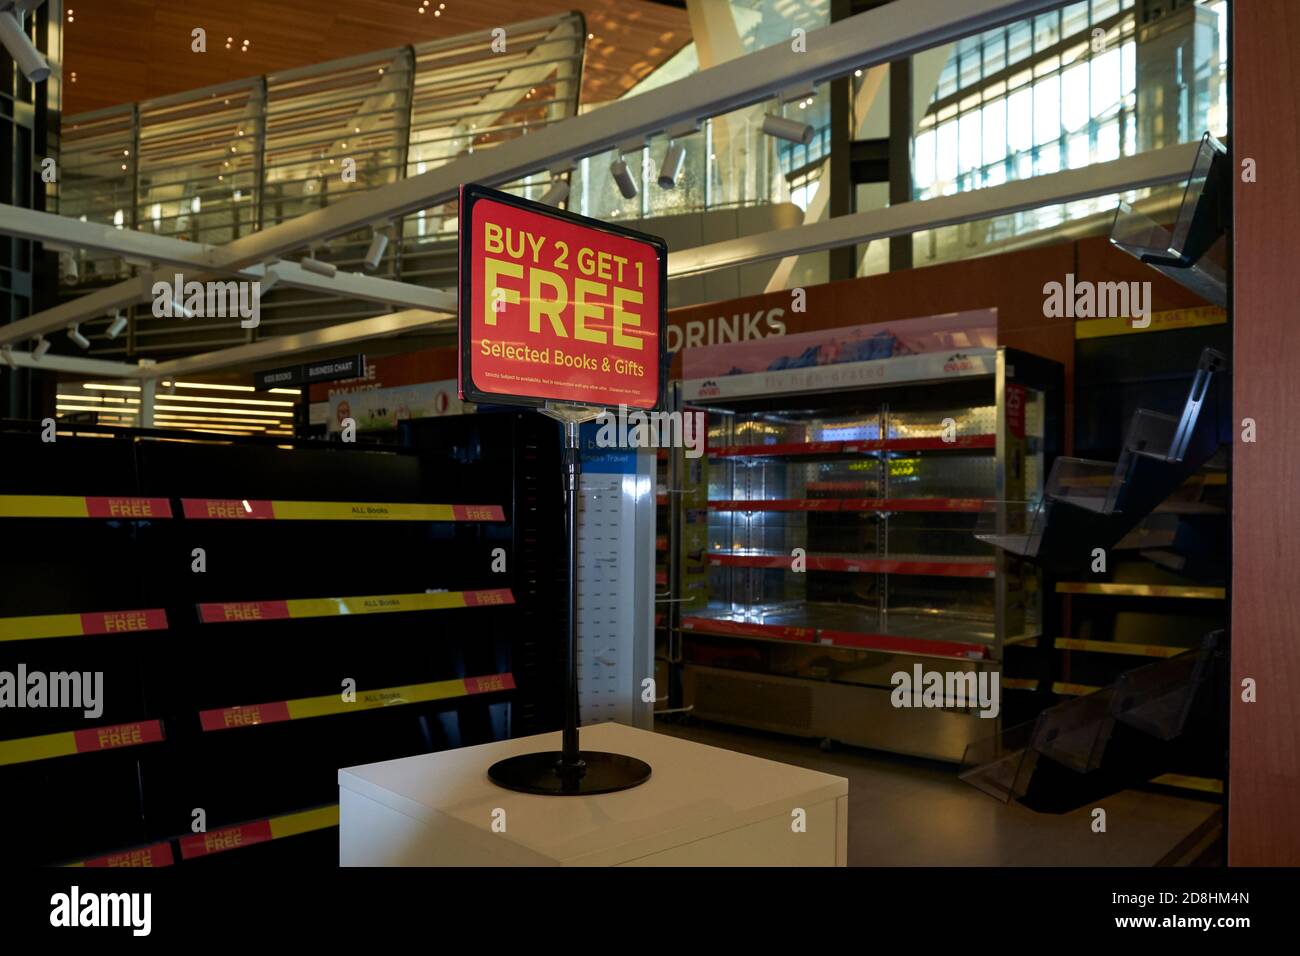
point(557, 307)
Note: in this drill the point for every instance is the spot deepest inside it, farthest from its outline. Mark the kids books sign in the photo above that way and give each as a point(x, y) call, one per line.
point(557, 307)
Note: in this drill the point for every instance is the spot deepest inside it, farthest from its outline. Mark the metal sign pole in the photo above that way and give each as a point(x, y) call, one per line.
point(570, 771)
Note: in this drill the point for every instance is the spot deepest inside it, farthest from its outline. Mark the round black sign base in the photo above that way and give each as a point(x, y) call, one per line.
point(544, 773)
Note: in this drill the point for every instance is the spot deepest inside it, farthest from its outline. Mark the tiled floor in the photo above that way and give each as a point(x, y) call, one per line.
point(907, 812)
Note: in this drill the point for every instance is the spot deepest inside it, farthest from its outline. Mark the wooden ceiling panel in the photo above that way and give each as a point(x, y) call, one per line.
point(128, 50)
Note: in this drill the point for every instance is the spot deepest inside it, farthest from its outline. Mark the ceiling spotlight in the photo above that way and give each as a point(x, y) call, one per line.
point(74, 333)
point(42, 346)
point(7, 352)
point(672, 165)
point(116, 326)
point(375, 254)
point(69, 273)
point(34, 66)
point(791, 131)
point(318, 266)
point(626, 184)
point(557, 193)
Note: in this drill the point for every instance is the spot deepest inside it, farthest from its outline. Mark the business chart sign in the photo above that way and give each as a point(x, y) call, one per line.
point(558, 307)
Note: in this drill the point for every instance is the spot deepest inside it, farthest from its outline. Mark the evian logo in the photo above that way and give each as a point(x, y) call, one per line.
point(709, 389)
point(958, 362)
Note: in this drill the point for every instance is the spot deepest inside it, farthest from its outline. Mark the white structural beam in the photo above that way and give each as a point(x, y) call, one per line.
point(1152, 168)
point(193, 257)
point(72, 364)
point(282, 346)
point(877, 36)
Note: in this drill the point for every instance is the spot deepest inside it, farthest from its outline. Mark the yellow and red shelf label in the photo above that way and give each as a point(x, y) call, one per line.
point(818, 448)
point(39, 626)
point(854, 504)
point(259, 831)
point(887, 643)
point(76, 506)
point(948, 568)
point(157, 854)
point(1115, 589)
point(243, 509)
point(244, 611)
point(28, 749)
point(252, 715)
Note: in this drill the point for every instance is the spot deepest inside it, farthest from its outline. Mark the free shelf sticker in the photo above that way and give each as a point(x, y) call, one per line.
point(245, 611)
point(252, 715)
point(242, 509)
point(27, 749)
point(69, 506)
point(36, 627)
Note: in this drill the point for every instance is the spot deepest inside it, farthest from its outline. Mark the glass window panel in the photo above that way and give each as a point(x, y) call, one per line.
point(1024, 165)
point(1074, 98)
point(995, 52)
point(1108, 141)
point(970, 67)
point(1047, 110)
point(1047, 30)
point(923, 158)
point(995, 132)
point(969, 140)
point(996, 176)
point(1074, 18)
point(1101, 9)
point(1128, 81)
point(1076, 154)
point(1020, 40)
point(1020, 122)
point(1049, 159)
point(947, 78)
point(945, 163)
point(1105, 83)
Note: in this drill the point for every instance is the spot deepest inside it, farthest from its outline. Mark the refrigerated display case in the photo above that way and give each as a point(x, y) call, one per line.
point(844, 505)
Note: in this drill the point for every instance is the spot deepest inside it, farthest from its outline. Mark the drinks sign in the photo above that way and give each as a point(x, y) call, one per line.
point(558, 307)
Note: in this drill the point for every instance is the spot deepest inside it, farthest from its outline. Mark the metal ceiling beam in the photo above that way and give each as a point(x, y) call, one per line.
point(73, 364)
point(878, 36)
point(1153, 168)
point(379, 326)
point(179, 254)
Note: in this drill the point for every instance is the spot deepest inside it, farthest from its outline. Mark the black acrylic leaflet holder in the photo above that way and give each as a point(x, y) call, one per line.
point(570, 771)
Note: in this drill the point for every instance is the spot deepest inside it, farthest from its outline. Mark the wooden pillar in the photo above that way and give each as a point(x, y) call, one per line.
point(1264, 759)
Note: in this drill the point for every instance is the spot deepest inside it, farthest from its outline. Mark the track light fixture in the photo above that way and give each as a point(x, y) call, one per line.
point(318, 266)
point(29, 59)
point(42, 346)
point(74, 333)
point(7, 352)
point(116, 326)
point(556, 193)
point(671, 165)
point(675, 155)
point(378, 246)
point(792, 131)
point(626, 184)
